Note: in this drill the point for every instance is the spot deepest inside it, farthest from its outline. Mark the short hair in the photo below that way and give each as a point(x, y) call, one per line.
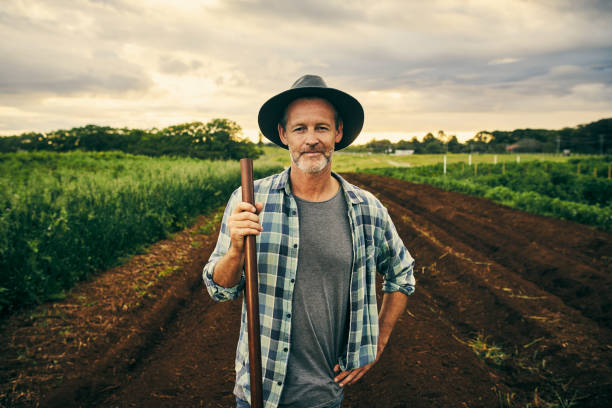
point(283, 120)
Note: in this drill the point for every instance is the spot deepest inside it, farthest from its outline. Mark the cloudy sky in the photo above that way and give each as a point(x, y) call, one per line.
point(416, 66)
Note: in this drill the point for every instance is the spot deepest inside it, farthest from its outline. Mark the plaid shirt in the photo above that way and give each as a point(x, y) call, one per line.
point(376, 246)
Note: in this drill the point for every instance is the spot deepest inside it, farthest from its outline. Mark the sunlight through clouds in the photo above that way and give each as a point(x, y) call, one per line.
point(415, 66)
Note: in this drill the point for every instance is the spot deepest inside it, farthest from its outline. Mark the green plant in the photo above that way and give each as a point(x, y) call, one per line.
point(488, 351)
point(64, 216)
point(544, 188)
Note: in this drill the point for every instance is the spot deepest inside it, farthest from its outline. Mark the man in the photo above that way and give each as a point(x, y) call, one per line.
point(320, 241)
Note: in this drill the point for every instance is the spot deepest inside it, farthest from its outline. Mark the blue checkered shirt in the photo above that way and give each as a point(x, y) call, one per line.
point(376, 246)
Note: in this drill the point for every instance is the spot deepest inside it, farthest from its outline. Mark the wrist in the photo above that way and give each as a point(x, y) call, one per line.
point(235, 253)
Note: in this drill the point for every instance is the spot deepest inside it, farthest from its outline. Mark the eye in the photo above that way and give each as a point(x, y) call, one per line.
point(322, 128)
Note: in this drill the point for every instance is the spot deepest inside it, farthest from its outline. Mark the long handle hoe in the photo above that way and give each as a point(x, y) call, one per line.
point(251, 290)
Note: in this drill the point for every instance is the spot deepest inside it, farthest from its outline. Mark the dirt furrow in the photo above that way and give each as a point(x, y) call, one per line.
point(581, 281)
point(509, 306)
point(476, 291)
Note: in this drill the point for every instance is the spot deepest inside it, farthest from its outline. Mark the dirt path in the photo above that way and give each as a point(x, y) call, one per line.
point(530, 294)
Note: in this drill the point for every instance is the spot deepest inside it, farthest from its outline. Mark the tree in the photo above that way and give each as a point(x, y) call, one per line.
point(453, 145)
point(220, 139)
point(380, 146)
point(431, 145)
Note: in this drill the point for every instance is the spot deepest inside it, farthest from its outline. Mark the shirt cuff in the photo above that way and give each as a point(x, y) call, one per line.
point(389, 287)
point(217, 292)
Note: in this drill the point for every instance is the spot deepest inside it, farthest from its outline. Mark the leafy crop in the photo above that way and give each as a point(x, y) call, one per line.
point(578, 190)
point(64, 216)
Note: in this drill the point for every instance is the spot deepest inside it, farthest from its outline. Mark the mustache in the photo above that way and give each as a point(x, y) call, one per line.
point(322, 151)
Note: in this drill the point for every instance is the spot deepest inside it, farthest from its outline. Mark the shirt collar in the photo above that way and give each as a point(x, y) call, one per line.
point(350, 191)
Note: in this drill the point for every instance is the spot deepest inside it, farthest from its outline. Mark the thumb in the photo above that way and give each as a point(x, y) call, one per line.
point(336, 368)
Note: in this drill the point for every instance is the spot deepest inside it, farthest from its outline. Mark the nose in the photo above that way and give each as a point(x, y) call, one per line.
point(311, 138)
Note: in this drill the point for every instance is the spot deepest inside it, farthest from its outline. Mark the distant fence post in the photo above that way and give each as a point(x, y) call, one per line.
point(469, 160)
point(609, 171)
point(503, 167)
point(475, 169)
point(518, 158)
point(445, 165)
point(495, 159)
point(578, 169)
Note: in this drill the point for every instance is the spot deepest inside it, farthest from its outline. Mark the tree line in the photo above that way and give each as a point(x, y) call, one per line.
point(217, 139)
point(592, 138)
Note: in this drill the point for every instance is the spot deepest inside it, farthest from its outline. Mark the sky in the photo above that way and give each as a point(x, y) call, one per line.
point(415, 66)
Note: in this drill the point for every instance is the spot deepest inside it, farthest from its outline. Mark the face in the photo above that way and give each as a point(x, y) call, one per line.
point(310, 134)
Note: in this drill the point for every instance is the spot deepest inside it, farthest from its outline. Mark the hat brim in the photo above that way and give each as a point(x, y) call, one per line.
point(349, 109)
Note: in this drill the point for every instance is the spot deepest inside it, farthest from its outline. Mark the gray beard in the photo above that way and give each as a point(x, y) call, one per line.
point(318, 167)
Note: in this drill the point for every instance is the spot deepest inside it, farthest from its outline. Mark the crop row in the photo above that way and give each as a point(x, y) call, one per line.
point(65, 215)
point(542, 188)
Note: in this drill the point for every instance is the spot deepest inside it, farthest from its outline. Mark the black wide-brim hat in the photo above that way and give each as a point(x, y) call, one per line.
point(349, 109)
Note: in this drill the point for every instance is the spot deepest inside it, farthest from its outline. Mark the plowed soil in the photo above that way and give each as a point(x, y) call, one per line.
point(510, 309)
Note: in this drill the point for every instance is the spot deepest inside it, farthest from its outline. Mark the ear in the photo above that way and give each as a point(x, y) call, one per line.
point(282, 135)
point(339, 134)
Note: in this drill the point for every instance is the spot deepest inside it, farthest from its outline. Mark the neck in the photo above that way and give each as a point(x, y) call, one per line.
point(313, 186)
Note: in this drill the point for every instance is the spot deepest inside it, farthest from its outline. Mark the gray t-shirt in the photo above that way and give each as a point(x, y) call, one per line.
point(320, 303)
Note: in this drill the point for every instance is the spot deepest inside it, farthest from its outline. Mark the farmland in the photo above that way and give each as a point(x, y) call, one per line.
point(64, 216)
point(350, 161)
point(578, 190)
point(511, 309)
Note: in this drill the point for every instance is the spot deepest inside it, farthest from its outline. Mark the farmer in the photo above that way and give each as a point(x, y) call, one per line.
point(320, 241)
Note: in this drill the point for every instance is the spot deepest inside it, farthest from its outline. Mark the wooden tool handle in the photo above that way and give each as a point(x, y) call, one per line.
point(252, 290)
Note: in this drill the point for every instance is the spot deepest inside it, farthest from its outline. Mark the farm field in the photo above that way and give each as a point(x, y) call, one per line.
point(578, 190)
point(348, 161)
point(511, 310)
point(64, 216)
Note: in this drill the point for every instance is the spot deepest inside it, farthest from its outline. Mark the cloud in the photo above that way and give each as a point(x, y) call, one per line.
point(171, 65)
point(148, 63)
point(500, 61)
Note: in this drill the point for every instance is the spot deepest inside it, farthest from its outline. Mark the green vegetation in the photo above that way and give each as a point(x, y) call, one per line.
point(220, 139)
point(64, 216)
point(346, 161)
point(592, 138)
point(579, 190)
point(551, 393)
point(216, 140)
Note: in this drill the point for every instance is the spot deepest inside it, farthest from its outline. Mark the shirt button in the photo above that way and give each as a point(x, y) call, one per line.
point(293, 212)
point(288, 314)
point(280, 383)
point(295, 245)
point(292, 280)
point(285, 349)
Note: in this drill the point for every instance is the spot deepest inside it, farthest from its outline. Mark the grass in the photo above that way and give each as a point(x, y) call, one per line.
point(168, 271)
point(65, 216)
point(355, 162)
point(489, 352)
point(211, 225)
point(551, 393)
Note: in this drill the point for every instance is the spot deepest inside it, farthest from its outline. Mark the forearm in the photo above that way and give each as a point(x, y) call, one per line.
point(393, 306)
point(228, 270)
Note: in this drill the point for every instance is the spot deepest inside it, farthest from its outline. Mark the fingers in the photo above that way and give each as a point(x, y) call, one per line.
point(244, 221)
point(245, 207)
point(245, 216)
point(352, 376)
point(340, 377)
point(360, 374)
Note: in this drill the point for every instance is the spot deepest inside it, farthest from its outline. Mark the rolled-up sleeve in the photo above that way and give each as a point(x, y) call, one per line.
point(217, 292)
point(393, 260)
